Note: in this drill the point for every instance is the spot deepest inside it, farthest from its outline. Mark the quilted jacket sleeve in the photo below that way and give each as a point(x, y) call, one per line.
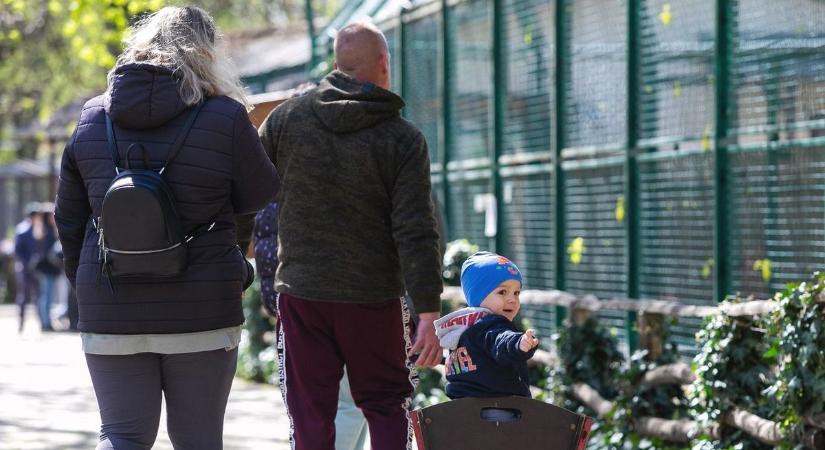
point(72, 211)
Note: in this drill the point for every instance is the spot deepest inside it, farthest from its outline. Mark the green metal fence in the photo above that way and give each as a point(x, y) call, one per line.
point(641, 148)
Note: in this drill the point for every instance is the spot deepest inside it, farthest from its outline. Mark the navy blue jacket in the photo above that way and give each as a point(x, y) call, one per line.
point(25, 245)
point(488, 361)
point(221, 171)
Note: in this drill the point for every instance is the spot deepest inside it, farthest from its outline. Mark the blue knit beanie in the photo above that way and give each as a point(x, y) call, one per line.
point(482, 272)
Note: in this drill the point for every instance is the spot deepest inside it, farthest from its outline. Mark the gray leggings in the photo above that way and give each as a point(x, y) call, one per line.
point(129, 387)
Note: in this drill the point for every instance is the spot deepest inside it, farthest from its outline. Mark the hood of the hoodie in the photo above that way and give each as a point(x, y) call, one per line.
point(450, 327)
point(143, 96)
point(344, 104)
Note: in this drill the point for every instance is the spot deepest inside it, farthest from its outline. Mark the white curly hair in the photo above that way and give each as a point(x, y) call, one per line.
point(184, 39)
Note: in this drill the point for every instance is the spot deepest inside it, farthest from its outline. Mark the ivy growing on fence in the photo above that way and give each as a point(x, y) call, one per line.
point(637, 399)
point(799, 390)
point(587, 353)
point(733, 368)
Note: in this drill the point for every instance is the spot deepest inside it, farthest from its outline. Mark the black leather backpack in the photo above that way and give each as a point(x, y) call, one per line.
point(139, 231)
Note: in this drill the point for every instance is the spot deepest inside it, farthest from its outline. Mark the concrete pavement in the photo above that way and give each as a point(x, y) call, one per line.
point(47, 401)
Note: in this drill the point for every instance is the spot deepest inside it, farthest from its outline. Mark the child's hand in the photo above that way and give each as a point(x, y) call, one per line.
point(528, 341)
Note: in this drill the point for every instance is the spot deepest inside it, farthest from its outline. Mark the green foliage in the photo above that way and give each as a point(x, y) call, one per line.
point(540, 378)
point(576, 249)
point(257, 356)
point(54, 51)
point(797, 325)
point(637, 399)
point(665, 401)
point(733, 368)
point(457, 252)
point(590, 354)
point(430, 390)
point(248, 14)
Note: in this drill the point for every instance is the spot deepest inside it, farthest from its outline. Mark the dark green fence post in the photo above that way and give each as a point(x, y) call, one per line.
point(447, 117)
point(724, 20)
point(400, 51)
point(499, 105)
point(310, 18)
point(631, 201)
point(773, 99)
point(562, 73)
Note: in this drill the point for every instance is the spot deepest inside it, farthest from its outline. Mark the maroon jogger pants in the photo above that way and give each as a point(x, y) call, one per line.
point(316, 340)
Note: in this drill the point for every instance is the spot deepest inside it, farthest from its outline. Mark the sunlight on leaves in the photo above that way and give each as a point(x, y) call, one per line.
point(763, 266)
point(576, 250)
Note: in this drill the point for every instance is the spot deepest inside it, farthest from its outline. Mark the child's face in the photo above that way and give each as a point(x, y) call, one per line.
point(504, 299)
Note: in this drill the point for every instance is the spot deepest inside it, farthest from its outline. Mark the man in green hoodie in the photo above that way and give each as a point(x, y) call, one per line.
point(356, 229)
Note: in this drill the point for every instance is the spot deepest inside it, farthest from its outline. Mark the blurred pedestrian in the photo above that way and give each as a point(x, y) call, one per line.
point(25, 248)
point(45, 263)
point(176, 337)
point(7, 266)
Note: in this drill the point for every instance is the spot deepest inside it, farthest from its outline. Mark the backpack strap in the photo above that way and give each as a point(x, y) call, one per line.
point(201, 229)
point(110, 137)
point(190, 120)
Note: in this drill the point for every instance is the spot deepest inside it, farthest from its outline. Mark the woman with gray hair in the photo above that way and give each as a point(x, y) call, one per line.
point(172, 95)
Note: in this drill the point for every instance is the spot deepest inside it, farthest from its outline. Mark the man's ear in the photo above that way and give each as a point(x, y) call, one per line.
point(335, 65)
point(384, 59)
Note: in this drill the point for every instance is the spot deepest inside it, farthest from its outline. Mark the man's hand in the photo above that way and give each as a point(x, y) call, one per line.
point(528, 341)
point(426, 342)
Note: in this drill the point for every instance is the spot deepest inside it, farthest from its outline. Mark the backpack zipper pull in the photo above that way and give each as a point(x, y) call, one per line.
point(109, 279)
point(101, 254)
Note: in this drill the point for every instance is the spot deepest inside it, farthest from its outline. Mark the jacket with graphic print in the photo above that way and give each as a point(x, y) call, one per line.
point(485, 359)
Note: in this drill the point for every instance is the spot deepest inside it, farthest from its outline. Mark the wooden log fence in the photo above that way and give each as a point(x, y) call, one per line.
point(663, 307)
point(650, 315)
point(677, 373)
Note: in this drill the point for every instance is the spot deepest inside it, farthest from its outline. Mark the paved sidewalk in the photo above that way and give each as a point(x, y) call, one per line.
point(47, 402)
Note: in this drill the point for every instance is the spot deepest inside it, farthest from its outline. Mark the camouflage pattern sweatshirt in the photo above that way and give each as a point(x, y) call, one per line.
point(356, 222)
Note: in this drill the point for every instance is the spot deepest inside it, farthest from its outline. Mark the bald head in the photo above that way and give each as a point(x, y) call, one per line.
point(361, 52)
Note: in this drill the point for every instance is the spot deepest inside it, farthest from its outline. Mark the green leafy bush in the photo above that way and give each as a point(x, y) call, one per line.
point(454, 256)
point(733, 368)
point(636, 399)
point(797, 325)
point(257, 358)
point(430, 390)
point(588, 353)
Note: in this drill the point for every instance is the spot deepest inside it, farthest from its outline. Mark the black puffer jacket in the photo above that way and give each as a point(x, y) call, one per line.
point(221, 171)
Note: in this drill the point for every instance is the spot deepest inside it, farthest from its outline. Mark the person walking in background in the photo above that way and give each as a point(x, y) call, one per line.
point(350, 424)
point(25, 247)
point(175, 337)
point(356, 227)
point(45, 263)
point(7, 271)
